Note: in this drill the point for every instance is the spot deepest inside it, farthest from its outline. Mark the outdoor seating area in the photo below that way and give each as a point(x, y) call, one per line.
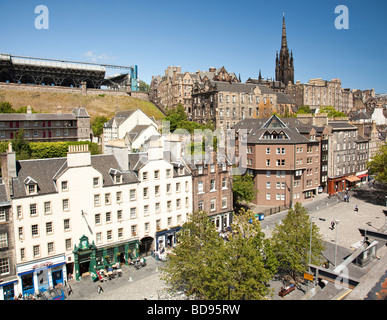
point(109, 272)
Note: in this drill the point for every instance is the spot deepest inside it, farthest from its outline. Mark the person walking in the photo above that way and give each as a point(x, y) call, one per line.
point(332, 225)
point(99, 289)
point(356, 208)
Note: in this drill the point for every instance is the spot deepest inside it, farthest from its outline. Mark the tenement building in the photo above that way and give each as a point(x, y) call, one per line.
point(318, 92)
point(284, 163)
point(348, 152)
point(212, 189)
point(226, 103)
point(64, 217)
point(176, 86)
point(47, 127)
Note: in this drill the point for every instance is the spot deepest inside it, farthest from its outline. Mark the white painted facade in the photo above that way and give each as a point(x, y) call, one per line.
point(119, 125)
point(107, 215)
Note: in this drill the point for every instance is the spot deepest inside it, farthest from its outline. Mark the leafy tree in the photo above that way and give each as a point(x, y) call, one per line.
point(190, 267)
point(304, 110)
point(377, 166)
point(207, 266)
point(6, 107)
point(250, 262)
point(97, 125)
point(331, 111)
point(243, 189)
point(143, 86)
point(291, 241)
point(21, 146)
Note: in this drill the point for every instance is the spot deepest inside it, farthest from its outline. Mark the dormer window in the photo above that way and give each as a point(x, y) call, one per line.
point(31, 186)
point(116, 175)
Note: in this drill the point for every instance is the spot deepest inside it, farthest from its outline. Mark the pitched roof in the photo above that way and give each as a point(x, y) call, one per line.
point(45, 172)
point(256, 128)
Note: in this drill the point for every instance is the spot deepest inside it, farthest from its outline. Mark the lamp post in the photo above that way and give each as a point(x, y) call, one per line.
point(336, 223)
point(310, 248)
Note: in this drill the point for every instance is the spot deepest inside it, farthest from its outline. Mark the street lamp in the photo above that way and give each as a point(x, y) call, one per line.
point(336, 223)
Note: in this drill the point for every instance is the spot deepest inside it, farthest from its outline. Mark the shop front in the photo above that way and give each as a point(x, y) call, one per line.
point(8, 290)
point(352, 181)
point(166, 238)
point(88, 258)
point(41, 275)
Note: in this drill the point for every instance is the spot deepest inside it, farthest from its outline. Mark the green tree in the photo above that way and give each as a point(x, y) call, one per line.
point(377, 166)
point(331, 111)
point(291, 241)
point(143, 86)
point(249, 260)
point(243, 189)
point(304, 110)
point(21, 146)
point(97, 125)
point(6, 107)
point(207, 266)
point(191, 266)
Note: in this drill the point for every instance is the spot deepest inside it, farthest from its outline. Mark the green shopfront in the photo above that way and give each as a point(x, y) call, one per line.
point(88, 257)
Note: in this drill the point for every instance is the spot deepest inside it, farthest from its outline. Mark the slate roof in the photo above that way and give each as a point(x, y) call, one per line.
point(3, 195)
point(257, 127)
point(120, 117)
point(341, 125)
point(46, 171)
point(240, 87)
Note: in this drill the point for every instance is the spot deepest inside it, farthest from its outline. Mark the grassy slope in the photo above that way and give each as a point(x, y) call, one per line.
point(96, 105)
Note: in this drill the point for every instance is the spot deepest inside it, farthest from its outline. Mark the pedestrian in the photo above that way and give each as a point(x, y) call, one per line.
point(345, 198)
point(332, 225)
point(70, 290)
point(356, 208)
point(99, 289)
point(348, 198)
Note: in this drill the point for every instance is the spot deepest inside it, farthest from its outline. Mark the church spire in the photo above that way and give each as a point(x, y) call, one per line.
point(284, 43)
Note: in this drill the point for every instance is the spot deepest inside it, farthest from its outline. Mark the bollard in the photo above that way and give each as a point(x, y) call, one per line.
point(157, 269)
point(130, 279)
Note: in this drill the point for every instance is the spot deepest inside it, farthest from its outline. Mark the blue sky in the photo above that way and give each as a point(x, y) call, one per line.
point(241, 35)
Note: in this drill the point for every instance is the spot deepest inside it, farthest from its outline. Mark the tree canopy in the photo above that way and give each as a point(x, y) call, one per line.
point(243, 189)
point(291, 241)
point(210, 267)
point(331, 111)
point(97, 125)
point(377, 166)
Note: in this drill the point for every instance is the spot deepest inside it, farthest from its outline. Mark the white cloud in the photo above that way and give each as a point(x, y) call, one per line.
point(93, 56)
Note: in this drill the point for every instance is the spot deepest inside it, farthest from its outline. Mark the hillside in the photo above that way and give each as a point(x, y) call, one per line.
point(96, 105)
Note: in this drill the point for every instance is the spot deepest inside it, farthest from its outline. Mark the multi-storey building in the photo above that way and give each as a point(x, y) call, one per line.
point(58, 126)
point(176, 87)
point(212, 189)
point(226, 103)
point(133, 126)
point(80, 213)
point(348, 151)
point(7, 248)
point(284, 163)
point(318, 92)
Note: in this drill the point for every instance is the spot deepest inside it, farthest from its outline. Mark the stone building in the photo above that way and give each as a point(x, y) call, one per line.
point(318, 92)
point(226, 103)
point(48, 127)
point(348, 152)
point(212, 189)
point(176, 86)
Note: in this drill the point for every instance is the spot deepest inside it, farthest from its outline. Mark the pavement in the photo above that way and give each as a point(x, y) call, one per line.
point(145, 283)
point(141, 284)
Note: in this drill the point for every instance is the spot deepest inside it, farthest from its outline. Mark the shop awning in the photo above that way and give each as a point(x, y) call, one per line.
point(362, 175)
point(352, 179)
